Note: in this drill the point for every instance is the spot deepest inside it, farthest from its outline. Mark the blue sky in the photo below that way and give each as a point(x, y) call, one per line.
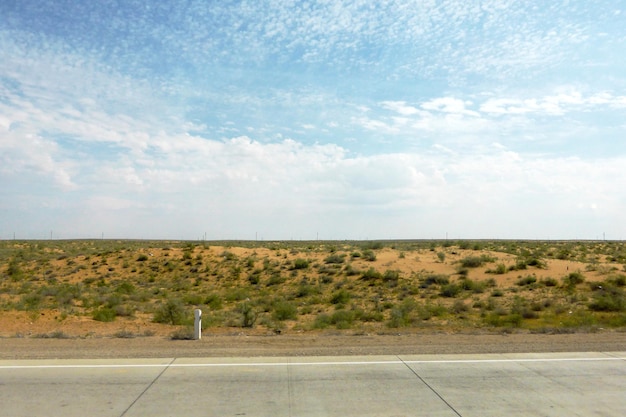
point(306, 119)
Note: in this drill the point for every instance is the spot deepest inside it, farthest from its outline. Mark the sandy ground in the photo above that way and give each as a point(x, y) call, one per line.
point(309, 344)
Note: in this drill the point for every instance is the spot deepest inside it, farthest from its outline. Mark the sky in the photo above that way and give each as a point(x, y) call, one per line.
point(354, 119)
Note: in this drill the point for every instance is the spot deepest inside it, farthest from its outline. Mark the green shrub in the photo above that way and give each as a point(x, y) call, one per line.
point(214, 301)
point(373, 245)
point(618, 280)
point(369, 255)
point(450, 290)
point(549, 282)
point(404, 314)
point(31, 301)
point(573, 279)
point(471, 262)
point(391, 276)
point(439, 279)
point(284, 310)
point(276, 279)
point(527, 280)
point(125, 288)
point(469, 285)
point(105, 314)
point(300, 264)
point(608, 298)
point(371, 274)
point(142, 258)
point(459, 307)
point(14, 269)
point(335, 258)
point(172, 312)
point(351, 271)
point(248, 314)
point(342, 319)
point(305, 290)
point(322, 321)
point(340, 297)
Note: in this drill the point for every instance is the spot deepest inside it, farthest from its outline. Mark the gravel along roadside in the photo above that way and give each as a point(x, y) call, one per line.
point(320, 344)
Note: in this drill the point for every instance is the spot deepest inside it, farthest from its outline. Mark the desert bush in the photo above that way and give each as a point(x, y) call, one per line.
point(391, 276)
point(30, 301)
point(248, 314)
point(341, 296)
point(125, 288)
point(502, 319)
point(172, 312)
point(276, 279)
point(527, 280)
point(404, 314)
point(124, 334)
point(105, 314)
point(500, 269)
point(14, 269)
point(459, 307)
point(284, 310)
point(255, 277)
point(213, 301)
point(305, 290)
point(450, 290)
point(441, 256)
point(573, 279)
point(300, 264)
point(549, 282)
point(369, 255)
point(142, 258)
point(342, 319)
point(321, 321)
point(372, 245)
point(536, 262)
point(618, 280)
point(335, 258)
point(469, 285)
point(608, 298)
point(438, 279)
point(229, 256)
point(350, 270)
point(193, 299)
point(371, 274)
point(183, 333)
point(471, 262)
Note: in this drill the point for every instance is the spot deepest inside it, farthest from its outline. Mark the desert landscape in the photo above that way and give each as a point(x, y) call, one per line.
point(363, 291)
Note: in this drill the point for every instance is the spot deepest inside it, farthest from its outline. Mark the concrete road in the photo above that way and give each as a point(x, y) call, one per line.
point(575, 384)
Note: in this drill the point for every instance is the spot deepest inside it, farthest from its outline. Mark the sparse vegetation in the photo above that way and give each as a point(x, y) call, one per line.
point(316, 285)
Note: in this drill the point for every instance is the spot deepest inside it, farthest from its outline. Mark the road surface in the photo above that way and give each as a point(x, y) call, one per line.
point(548, 384)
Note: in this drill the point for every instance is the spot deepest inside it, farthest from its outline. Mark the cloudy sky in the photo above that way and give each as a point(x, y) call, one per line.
point(328, 119)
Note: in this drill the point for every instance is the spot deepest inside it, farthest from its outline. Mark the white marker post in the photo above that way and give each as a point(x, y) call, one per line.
point(197, 324)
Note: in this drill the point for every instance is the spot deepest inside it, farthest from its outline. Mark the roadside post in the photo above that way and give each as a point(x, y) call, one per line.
point(197, 324)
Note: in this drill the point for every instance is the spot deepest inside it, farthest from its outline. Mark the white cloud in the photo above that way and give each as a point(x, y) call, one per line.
point(400, 107)
point(449, 105)
point(555, 105)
